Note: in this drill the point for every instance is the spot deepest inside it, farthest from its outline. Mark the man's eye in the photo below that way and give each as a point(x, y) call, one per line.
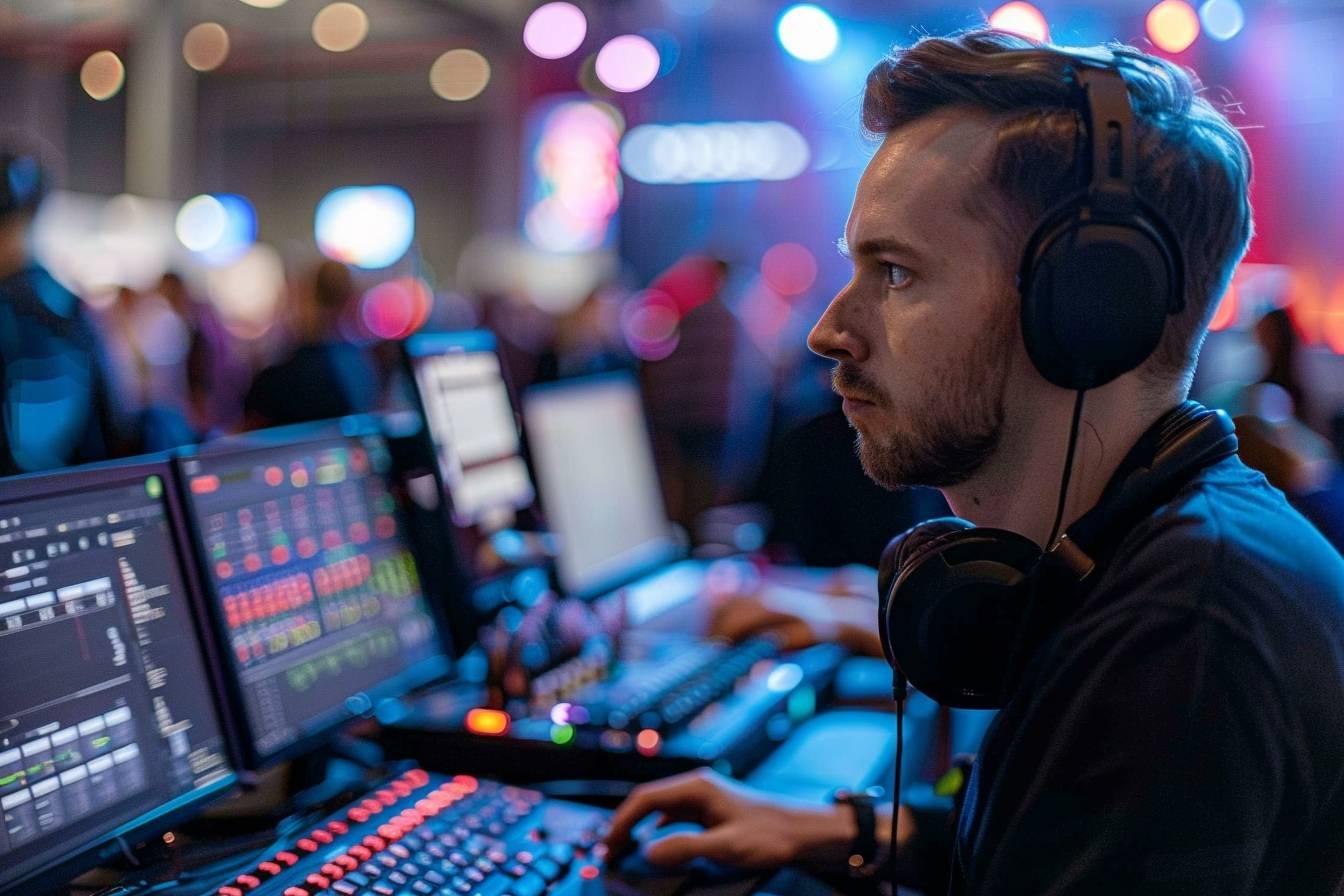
point(898, 276)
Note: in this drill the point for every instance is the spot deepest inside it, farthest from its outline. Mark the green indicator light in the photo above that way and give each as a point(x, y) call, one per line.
point(562, 734)
point(154, 487)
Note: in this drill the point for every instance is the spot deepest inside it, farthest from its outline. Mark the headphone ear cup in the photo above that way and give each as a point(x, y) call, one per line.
point(954, 613)
point(897, 556)
point(1095, 297)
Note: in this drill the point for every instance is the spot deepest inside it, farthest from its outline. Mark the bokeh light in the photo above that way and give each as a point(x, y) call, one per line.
point(397, 308)
point(650, 324)
point(789, 268)
point(555, 30)
point(340, 27)
point(1172, 25)
point(265, 4)
point(206, 46)
point(219, 228)
point(247, 292)
point(669, 51)
point(577, 189)
point(627, 63)
point(714, 152)
point(1223, 19)
point(102, 75)
point(459, 75)
point(369, 227)
point(808, 32)
point(1021, 19)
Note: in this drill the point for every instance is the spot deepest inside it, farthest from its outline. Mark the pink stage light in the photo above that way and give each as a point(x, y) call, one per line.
point(554, 30)
point(627, 63)
point(1021, 19)
point(1173, 25)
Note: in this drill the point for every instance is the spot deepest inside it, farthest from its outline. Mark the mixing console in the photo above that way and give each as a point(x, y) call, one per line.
point(672, 703)
point(425, 834)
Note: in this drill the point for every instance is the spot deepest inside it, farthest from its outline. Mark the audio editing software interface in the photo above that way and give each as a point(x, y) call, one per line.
point(313, 580)
point(475, 436)
point(106, 712)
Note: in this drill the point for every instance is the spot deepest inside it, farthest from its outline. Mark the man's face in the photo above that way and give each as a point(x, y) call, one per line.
point(925, 333)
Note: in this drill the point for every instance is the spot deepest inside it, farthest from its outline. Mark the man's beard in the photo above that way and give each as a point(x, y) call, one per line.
point(950, 430)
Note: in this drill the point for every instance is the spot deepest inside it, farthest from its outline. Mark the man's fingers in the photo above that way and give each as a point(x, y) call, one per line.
point(678, 849)
point(683, 796)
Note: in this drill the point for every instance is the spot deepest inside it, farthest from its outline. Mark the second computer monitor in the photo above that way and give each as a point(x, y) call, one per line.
point(599, 485)
point(315, 592)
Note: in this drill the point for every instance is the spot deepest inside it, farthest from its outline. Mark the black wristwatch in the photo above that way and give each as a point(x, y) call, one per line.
point(863, 852)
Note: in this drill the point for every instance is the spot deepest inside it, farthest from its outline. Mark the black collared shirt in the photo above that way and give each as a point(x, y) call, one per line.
point(1182, 731)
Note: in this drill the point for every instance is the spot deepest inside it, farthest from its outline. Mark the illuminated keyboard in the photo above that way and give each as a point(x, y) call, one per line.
point(427, 835)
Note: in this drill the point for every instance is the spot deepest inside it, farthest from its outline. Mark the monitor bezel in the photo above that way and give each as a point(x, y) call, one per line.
point(323, 728)
point(668, 550)
point(42, 870)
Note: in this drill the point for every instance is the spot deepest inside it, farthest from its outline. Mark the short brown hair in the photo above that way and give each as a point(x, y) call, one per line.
point(1194, 167)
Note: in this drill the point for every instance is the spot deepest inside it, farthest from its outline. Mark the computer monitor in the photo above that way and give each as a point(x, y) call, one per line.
point(313, 589)
point(599, 486)
point(467, 407)
point(109, 726)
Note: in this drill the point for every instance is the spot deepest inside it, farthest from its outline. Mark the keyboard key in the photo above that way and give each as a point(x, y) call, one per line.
point(547, 869)
point(422, 888)
point(384, 889)
point(435, 878)
point(410, 869)
point(528, 885)
point(358, 878)
point(561, 854)
point(396, 877)
point(345, 888)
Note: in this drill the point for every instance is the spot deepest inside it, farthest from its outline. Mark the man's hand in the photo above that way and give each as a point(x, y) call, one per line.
point(798, 617)
point(743, 827)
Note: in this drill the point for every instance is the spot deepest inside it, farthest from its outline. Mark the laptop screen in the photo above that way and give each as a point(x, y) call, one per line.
point(107, 716)
point(599, 486)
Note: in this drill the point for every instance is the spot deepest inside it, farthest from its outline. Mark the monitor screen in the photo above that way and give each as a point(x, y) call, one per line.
point(312, 582)
point(472, 424)
point(599, 486)
point(107, 717)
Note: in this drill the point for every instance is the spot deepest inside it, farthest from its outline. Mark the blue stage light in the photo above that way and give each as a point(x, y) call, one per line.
point(1223, 19)
point(808, 32)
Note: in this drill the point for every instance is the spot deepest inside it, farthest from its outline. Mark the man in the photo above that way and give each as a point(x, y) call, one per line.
point(53, 393)
point(1182, 731)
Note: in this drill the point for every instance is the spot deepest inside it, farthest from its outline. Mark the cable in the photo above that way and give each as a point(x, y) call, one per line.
point(1074, 428)
point(900, 695)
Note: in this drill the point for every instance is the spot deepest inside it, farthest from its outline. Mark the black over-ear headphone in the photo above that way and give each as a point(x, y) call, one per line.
point(1098, 279)
point(1102, 270)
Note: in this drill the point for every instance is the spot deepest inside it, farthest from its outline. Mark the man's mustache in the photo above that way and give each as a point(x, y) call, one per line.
point(853, 383)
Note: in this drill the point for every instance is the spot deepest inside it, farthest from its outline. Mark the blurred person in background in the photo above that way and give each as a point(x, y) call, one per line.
point(709, 400)
point(54, 399)
point(214, 372)
point(326, 376)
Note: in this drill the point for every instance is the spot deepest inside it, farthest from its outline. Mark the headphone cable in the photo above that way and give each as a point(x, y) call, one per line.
point(1074, 429)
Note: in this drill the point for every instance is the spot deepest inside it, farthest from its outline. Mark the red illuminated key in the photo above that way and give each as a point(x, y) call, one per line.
point(373, 807)
point(307, 845)
point(269, 868)
point(386, 797)
point(317, 880)
point(288, 858)
point(333, 871)
point(401, 788)
point(390, 832)
point(296, 891)
point(338, 827)
point(362, 853)
point(248, 882)
point(417, 776)
point(321, 836)
point(229, 891)
point(377, 844)
point(349, 863)
point(358, 815)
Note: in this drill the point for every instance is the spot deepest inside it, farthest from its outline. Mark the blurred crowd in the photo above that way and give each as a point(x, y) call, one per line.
point(741, 414)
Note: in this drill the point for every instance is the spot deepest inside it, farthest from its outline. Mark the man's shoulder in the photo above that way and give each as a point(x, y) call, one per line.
point(1228, 547)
